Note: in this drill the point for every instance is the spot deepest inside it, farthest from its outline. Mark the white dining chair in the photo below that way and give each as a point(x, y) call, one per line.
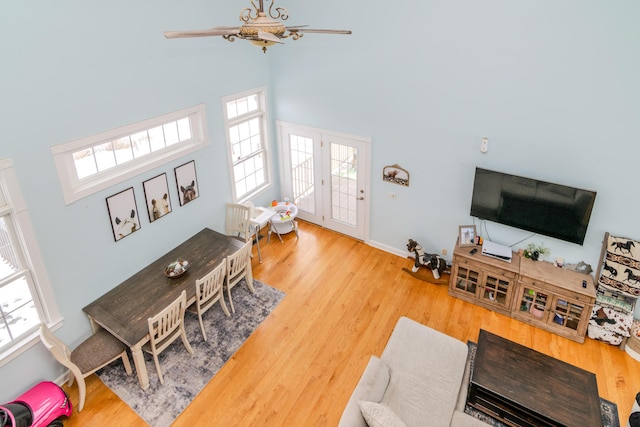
point(208, 292)
point(166, 327)
point(238, 221)
point(97, 351)
point(239, 267)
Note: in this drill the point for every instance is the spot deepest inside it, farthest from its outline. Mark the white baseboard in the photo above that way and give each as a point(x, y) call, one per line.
point(387, 248)
point(399, 252)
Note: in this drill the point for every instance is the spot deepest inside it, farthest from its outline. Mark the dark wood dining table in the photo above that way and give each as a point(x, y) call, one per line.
point(124, 310)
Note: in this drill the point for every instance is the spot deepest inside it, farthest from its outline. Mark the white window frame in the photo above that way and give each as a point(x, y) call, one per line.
point(25, 242)
point(263, 114)
point(75, 189)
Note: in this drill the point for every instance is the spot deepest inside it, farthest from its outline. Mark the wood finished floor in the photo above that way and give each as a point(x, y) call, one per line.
point(342, 300)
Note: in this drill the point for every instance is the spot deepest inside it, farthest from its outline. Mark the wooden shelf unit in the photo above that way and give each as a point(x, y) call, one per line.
point(567, 306)
point(534, 292)
point(483, 280)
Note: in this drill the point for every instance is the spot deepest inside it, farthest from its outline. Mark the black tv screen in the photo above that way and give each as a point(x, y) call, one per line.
point(541, 207)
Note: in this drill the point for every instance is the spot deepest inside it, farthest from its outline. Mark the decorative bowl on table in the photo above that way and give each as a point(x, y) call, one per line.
point(176, 269)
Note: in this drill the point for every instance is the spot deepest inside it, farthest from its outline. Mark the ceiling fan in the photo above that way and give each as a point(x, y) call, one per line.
point(259, 27)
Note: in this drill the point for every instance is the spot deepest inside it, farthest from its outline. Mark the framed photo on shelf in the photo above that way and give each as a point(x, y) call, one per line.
point(467, 235)
point(187, 182)
point(123, 213)
point(156, 195)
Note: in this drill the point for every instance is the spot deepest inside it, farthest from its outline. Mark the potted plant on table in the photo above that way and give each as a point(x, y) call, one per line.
point(536, 252)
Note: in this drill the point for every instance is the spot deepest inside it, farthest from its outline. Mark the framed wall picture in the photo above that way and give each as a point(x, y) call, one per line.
point(467, 235)
point(123, 213)
point(156, 195)
point(187, 182)
point(396, 175)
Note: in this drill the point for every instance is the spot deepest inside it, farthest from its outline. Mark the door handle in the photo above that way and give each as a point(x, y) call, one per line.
point(360, 198)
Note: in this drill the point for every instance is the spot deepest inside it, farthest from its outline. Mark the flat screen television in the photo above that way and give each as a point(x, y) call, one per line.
point(542, 207)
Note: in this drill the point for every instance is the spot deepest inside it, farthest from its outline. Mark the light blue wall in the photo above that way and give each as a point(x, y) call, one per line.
point(553, 84)
point(72, 69)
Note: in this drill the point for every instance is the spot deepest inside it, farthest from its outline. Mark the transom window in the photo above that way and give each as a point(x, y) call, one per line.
point(245, 118)
point(105, 155)
point(91, 164)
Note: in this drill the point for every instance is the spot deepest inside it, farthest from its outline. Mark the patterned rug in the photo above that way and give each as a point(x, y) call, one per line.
point(185, 374)
point(608, 410)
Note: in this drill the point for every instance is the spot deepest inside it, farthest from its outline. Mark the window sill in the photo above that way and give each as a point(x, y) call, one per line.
point(23, 345)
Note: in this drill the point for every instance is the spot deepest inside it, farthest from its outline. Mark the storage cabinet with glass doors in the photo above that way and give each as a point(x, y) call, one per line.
point(483, 280)
point(535, 292)
point(554, 299)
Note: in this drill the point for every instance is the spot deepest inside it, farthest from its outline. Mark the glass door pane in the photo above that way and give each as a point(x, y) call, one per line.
point(302, 172)
point(496, 290)
point(467, 280)
point(534, 302)
point(567, 313)
point(344, 184)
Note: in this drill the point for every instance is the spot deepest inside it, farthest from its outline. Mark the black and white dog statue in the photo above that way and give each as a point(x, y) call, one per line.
point(432, 261)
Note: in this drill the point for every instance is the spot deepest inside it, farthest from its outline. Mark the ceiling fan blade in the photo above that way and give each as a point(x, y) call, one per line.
point(226, 27)
point(217, 31)
point(263, 35)
point(312, 30)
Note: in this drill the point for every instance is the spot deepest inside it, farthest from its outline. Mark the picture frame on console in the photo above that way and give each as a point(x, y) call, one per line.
point(467, 235)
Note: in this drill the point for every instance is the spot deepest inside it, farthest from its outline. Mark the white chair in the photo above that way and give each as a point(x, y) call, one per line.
point(165, 327)
point(238, 221)
point(239, 267)
point(208, 292)
point(96, 352)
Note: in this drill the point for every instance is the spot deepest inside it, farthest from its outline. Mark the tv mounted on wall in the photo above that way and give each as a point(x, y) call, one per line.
point(542, 207)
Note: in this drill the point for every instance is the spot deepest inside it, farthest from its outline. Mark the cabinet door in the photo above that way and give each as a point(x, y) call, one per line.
point(496, 290)
point(566, 313)
point(466, 280)
point(534, 303)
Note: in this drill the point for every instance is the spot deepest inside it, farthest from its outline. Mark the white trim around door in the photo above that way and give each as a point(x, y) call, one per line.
point(327, 174)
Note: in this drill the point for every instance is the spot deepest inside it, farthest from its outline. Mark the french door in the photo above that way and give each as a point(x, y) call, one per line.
point(326, 174)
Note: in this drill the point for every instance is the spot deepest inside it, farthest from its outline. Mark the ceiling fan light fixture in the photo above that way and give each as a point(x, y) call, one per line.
point(264, 44)
point(261, 28)
point(262, 23)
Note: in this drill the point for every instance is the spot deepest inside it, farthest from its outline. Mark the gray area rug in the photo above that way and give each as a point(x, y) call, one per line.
point(185, 374)
point(608, 410)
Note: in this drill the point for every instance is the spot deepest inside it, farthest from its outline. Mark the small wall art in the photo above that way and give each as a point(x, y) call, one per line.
point(123, 213)
point(187, 182)
point(156, 195)
point(396, 175)
point(467, 235)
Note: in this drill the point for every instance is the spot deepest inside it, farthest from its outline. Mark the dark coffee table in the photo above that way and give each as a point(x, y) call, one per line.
point(522, 387)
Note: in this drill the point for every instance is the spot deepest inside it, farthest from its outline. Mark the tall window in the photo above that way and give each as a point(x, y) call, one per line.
point(25, 295)
point(18, 312)
point(88, 165)
point(245, 117)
